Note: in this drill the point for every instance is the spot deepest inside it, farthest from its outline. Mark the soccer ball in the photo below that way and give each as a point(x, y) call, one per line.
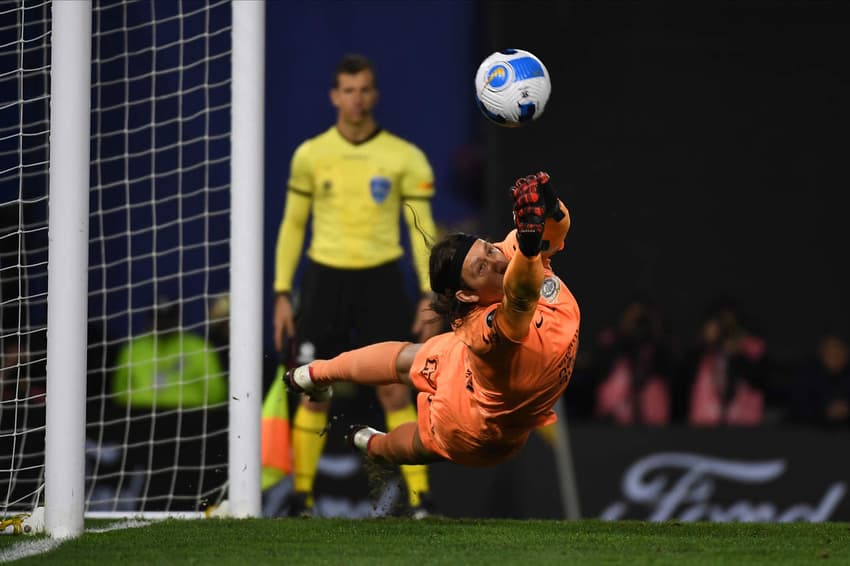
point(512, 87)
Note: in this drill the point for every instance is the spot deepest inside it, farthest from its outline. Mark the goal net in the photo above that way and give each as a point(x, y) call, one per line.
point(159, 254)
point(24, 137)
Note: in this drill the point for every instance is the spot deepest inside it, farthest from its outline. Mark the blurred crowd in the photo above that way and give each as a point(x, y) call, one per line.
point(629, 374)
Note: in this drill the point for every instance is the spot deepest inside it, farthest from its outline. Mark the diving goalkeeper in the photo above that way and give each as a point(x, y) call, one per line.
point(487, 384)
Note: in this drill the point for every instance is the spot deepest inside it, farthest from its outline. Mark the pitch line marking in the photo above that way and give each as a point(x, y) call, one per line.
point(27, 548)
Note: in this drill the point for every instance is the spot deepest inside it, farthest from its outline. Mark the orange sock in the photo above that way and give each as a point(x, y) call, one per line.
point(396, 446)
point(371, 365)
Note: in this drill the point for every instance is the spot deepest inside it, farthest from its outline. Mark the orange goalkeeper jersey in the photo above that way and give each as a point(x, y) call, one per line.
point(483, 392)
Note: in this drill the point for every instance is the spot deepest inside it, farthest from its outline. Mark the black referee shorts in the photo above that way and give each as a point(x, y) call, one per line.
point(342, 309)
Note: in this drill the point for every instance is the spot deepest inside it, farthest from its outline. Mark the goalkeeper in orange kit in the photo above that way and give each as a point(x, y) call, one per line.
point(487, 384)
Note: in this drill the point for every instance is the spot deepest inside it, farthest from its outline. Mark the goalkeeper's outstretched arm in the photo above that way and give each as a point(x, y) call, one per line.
point(542, 222)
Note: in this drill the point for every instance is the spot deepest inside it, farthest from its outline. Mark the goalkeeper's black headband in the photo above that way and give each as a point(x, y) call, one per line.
point(449, 278)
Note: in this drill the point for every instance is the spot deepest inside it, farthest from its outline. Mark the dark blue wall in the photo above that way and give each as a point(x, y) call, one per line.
point(160, 130)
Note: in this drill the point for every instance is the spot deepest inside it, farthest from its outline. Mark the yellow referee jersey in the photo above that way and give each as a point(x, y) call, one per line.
point(356, 193)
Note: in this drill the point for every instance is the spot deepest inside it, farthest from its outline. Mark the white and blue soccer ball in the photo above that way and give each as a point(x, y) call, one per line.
point(512, 87)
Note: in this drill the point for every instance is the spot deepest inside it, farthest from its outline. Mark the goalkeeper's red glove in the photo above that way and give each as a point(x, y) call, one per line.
point(553, 209)
point(529, 214)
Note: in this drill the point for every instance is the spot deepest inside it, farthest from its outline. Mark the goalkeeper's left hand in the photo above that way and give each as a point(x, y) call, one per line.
point(553, 209)
point(529, 213)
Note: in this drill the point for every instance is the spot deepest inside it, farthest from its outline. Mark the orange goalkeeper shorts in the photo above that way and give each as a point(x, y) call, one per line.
point(450, 422)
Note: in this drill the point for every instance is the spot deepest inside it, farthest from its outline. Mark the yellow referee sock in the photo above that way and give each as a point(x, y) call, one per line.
point(307, 445)
point(416, 477)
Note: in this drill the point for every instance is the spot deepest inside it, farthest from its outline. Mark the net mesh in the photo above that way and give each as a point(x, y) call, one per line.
point(158, 255)
point(24, 137)
point(156, 433)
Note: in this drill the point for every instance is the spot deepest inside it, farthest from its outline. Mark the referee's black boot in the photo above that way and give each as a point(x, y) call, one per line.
point(300, 505)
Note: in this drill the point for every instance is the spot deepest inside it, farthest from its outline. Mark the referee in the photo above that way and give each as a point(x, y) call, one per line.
point(356, 180)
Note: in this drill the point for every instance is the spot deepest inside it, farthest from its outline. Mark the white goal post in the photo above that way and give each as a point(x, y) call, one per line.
point(67, 268)
point(164, 210)
point(246, 257)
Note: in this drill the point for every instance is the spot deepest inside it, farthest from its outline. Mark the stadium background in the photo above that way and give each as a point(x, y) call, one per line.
point(699, 146)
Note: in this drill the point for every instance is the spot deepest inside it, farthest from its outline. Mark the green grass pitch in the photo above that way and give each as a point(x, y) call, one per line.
point(443, 541)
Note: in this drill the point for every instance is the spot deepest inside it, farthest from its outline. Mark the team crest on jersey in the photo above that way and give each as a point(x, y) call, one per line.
point(380, 188)
point(550, 289)
point(429, 370)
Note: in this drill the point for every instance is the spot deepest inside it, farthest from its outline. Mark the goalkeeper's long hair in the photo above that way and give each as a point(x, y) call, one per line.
point(444, 303)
